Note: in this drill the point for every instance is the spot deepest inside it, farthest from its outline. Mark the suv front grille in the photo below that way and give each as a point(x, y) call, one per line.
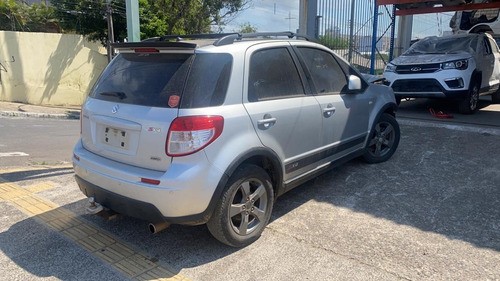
point(417, 85)
point(418, 68)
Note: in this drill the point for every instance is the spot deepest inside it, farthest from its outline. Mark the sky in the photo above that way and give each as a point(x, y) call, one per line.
point(268, 15)
point(283, 15)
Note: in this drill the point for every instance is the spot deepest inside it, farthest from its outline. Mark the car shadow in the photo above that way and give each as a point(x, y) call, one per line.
point(36, 174)
point(439, 181)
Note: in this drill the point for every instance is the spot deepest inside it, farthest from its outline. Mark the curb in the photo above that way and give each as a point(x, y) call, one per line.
point(71, 116)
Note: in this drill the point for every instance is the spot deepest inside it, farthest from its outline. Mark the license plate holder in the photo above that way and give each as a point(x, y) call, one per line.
point(115, 137)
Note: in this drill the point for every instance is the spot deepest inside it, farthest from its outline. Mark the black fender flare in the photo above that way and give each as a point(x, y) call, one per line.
point(250, 156)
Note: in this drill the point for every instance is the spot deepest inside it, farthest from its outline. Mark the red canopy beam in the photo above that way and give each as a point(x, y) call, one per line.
point(429, 10)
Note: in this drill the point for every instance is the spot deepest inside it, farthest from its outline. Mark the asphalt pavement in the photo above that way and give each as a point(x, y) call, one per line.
point(430, 213)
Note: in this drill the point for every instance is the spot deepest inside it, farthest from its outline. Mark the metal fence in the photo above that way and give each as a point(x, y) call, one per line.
point(358, 30)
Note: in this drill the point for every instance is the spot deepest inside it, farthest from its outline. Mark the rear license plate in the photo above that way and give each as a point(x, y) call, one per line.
point(115, 137)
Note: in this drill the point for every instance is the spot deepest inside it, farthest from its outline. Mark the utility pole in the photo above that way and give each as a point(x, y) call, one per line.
point(133, 28)
point(289, 20)
point(111, 36)
point(351, 32)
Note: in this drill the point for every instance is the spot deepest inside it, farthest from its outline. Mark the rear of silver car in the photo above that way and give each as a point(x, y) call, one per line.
point(131, 133)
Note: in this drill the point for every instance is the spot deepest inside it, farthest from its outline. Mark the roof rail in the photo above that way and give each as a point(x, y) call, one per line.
point(193, 36)
point(227, 38)
point(230, 38)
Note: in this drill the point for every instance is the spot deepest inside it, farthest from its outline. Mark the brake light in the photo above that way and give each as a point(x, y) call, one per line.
point(190, 134)
point(146, 50)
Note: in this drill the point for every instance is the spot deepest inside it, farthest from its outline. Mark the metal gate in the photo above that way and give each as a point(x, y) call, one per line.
point(358, 30)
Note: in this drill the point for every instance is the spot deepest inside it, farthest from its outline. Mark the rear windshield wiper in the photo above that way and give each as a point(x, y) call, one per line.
point(120, 95)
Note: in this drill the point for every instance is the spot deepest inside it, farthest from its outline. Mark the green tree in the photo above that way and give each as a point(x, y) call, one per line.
point(88, 17)
point(247, 28)
point(17, 16)
point(157, 17)
point(334, 42)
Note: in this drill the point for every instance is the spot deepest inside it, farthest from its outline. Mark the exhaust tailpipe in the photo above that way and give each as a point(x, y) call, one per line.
point(157, 227)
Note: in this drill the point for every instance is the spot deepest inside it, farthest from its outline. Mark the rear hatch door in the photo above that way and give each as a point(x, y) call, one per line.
point(129, 110)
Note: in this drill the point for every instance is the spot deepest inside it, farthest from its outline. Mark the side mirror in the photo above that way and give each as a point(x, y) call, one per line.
point(354, 83)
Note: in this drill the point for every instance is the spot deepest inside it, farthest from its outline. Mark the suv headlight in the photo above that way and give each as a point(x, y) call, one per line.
point(390, 67)
point(458, 64)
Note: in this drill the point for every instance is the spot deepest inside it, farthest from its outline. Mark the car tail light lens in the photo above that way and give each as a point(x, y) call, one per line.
point(190, 134)
point(146, 50)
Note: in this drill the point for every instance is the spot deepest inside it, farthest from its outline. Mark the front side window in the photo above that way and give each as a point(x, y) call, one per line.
point(326, 74)
point(273, 75)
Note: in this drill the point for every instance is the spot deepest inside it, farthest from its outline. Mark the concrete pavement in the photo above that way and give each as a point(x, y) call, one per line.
point(15, 109)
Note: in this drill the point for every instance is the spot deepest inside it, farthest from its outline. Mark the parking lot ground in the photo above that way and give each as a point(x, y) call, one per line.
point(418, 109)
point(430, 213)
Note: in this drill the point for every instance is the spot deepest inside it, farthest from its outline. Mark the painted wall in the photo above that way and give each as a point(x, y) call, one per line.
point(48, 68)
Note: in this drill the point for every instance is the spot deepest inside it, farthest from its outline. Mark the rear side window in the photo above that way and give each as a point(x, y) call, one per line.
point(207, 81)
point(165, 80)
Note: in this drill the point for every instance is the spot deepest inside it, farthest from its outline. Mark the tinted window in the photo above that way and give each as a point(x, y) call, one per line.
point(143, 79)
point(208, 80)
point(327, 75)
point(273, 75)
point(152, 79)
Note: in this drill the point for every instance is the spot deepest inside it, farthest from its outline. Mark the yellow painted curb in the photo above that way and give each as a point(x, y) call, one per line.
point(118, 254)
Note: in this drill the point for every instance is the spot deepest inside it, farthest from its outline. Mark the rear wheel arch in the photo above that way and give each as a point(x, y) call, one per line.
point(261, 157)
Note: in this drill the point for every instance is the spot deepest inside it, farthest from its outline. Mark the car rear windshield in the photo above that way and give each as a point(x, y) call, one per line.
point(165, 80)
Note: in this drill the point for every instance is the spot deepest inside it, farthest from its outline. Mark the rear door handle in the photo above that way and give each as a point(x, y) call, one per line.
point(267, 122)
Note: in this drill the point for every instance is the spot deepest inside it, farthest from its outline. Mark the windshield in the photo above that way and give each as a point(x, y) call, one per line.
point(443, 45)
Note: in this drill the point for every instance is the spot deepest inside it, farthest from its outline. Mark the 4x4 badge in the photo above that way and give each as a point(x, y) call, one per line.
point(115, 108)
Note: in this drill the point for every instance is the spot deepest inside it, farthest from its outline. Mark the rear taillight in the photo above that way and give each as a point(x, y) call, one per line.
point(190, 134)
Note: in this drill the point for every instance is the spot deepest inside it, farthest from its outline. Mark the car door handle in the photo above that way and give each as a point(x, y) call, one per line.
point(267, 122)
point(328, 111)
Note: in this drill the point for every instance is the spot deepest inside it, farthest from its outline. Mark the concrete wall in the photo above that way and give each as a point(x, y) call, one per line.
point(48, 68)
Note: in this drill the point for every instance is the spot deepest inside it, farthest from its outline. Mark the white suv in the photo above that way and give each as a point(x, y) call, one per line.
point(212, 130)
point(459, 67)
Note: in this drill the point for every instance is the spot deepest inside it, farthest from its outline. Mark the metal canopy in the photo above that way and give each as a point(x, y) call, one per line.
point(413, 7)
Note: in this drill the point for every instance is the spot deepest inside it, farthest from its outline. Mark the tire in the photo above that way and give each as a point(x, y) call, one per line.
point(244, 209)
point(495, 97)
point(383, 141)
point(398, 100)
point(470, 104)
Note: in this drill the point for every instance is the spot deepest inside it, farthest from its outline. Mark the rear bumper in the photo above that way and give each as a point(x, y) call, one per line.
point(121, 204)
point(186, 194)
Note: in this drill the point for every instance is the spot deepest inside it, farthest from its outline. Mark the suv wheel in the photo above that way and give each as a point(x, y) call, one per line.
point(245, 207)
point(495, 97)
point(383, 141)
point(469, 104)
